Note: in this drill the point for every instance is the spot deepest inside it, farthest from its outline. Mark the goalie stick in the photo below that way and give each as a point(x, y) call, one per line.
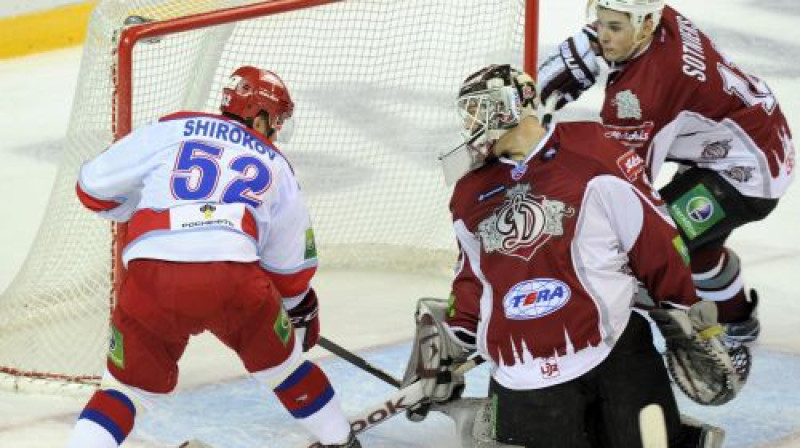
point(357, 361)
point(652, 427)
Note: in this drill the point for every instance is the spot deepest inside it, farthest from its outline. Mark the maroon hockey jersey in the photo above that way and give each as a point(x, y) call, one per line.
point(698, 108)
point(551, 250)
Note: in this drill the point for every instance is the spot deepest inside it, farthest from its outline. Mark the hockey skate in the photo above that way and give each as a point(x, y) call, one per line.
point(745, 331)
point(700, 435)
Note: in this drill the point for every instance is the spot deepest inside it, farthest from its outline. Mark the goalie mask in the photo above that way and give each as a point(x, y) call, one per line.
point(490, 102)
point(251, 91)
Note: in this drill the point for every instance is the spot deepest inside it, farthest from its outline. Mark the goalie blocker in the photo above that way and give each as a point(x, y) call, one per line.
point(434, 358)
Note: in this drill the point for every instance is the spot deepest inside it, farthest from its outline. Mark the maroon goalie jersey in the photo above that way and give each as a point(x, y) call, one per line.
point(698, 108)
point(551, 250)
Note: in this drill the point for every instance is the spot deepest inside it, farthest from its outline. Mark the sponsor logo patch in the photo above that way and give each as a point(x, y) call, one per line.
point(283, 327)
point(208, 211)
point(311, 245)
point(680, 246)
point(631, 165)
point(549, 368)
point(519, 170)
point(633, 137)
point(696, 211)
point(116, 348)
point(498, 189)
point(535, 298)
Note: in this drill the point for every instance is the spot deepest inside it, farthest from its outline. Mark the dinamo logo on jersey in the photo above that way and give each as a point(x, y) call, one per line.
point(523, 223)
point(535, 298)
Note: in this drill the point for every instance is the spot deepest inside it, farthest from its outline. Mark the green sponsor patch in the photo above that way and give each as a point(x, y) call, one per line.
point(680, 246)
point(696, 211)
point(283, 327)
point(311, 246)
point(116, 348)
point(451, 305)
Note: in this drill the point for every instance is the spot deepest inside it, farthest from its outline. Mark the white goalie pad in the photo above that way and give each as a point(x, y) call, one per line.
point(434, 354)
point(474, 422)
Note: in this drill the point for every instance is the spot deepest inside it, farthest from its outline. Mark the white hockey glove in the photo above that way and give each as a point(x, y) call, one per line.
point(571, 70)
point(434, 358)
point(706, 369)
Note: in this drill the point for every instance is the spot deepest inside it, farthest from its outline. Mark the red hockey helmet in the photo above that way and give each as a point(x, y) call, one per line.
point(251, 90)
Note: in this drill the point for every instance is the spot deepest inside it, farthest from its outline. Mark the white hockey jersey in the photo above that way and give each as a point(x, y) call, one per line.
point(197, 188)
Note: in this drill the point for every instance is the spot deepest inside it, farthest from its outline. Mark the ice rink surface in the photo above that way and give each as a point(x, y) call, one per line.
point(371, 312)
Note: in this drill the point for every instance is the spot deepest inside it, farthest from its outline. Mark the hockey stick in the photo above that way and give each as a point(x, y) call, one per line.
point(652, 427)
point(398, 402)
point(357, 361)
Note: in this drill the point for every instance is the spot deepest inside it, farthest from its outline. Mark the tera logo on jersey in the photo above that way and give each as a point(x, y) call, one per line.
point(631, 165)
point(628, 105)
point(716, 150)
point(523, 223)
point(535, 298)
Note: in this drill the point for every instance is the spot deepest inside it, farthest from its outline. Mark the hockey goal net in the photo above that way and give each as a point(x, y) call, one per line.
point(374, 84)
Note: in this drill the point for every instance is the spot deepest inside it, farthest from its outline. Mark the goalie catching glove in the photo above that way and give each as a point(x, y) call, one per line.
point(706, 369)
point(434, 358)
point(571, 70)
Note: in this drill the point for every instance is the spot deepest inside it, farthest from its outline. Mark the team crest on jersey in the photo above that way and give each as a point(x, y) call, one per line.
point(628, 105)
point(740, 174)
point(523, 223)
point(716, 150)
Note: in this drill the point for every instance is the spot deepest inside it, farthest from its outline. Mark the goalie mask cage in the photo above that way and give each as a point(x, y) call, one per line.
point(374, 82)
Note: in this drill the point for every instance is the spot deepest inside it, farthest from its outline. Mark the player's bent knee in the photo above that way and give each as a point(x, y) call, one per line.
point(273, 376)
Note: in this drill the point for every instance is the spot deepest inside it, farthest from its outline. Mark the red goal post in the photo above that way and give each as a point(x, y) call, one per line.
point(374, 83)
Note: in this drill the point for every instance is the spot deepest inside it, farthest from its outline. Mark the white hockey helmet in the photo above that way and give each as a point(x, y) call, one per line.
point(638, 10)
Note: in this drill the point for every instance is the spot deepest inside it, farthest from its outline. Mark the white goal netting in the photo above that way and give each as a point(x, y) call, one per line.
point(373, 82)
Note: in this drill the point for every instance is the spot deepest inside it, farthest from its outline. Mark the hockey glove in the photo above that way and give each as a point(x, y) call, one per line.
point(700, 363)
point(571, 70)
point(305, 320)
point(435, 356)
